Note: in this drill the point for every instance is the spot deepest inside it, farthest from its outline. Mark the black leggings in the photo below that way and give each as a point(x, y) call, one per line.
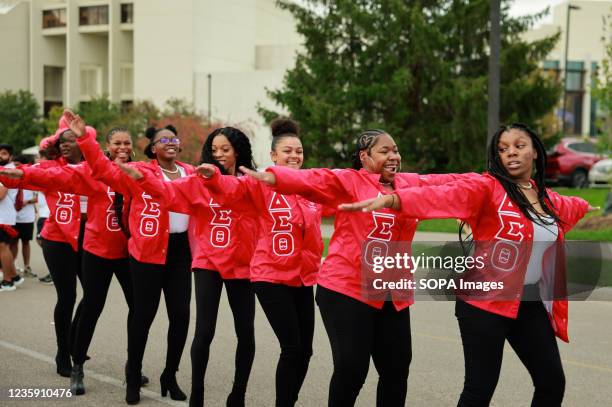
point(531, 336)
point(64, 264)
point(357, 331)
point(208, 285)
point(97, 275)
point(290, 311)
point(148, 281)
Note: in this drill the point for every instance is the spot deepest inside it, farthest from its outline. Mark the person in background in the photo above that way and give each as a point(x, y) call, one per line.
point(26, 215)
point(8, 215)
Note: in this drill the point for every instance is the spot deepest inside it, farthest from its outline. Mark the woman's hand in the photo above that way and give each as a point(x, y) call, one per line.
point(12, 173)
point(594, 208)
point(130, 171)
point(206, 170)
point(75, 123)
point(265, 176)
point(372, 204)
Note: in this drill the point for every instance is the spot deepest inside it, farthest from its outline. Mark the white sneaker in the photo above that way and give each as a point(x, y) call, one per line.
point(7, 286)
point(18, 280)
point(27, 272)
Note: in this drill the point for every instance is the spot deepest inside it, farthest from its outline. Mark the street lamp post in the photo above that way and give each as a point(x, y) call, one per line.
point(567, 32)
point(494, 75)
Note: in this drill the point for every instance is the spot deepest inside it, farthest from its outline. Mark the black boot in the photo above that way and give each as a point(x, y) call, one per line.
point(63, 364)
point(76, 380)
point(196, 399)
point(132, 390)
point(144, 380)
point(168, 383)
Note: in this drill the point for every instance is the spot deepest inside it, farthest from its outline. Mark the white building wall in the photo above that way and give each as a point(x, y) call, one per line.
point(163, 50)
point(224, 35)
point(14, 55)
point(585, 40)
point(235, 96)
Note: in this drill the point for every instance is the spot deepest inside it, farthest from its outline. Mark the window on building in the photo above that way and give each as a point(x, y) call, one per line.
point(127, 13)
point(53, 83)
point(127, 80)
point(575, 93)
point(91, 81)
point(93, 15)
point(54, 18)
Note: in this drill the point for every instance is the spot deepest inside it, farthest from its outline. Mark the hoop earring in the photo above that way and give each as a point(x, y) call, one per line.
point(133, 153)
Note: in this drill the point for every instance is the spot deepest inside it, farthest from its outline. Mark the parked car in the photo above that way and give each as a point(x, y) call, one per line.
point(569, 162)
point(601, 172)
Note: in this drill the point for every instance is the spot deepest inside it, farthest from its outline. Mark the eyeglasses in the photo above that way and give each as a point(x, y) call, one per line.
point(167, 140)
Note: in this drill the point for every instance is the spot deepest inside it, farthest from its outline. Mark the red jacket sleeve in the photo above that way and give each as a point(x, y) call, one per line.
point(242, 194)
point(102, 168)
point(426, 180)
point(65, 178)
point(570, 209)
point(459, 199)
point(324, 186)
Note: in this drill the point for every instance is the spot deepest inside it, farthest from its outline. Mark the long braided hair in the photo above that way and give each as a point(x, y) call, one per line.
point(496, 168)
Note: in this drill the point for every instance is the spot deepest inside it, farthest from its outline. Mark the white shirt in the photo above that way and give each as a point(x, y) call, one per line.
point(179, 222)
point(27, 214)
point(8, 214)
point(544, 236)
point(83, 203)
point(43, 209)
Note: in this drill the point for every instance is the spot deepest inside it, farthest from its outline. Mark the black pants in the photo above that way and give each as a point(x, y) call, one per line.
point(97, 275)
point(290, 311)
point(64, 264)
point(357, 331)
point(148, 282)
point(208, 285)
point(531, 336)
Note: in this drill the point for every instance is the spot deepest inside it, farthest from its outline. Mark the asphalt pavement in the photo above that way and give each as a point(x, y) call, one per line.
point(27, 344)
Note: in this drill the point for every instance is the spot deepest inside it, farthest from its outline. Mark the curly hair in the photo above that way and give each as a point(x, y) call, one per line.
point(283, 127)
point(239, 141)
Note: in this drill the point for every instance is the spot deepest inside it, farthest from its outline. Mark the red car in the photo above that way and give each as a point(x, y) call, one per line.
point(569, 162)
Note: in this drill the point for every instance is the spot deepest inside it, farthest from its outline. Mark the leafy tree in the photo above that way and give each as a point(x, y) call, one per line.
point(602, 89)
point(100, 113)
point(20, 122)
point(52, 119)
point(417, 69)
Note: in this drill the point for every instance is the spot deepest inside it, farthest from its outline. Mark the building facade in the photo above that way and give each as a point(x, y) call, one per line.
point(586, 50)
point(221, 55)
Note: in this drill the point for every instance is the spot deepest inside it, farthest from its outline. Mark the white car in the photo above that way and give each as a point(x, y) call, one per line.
point(601, 172)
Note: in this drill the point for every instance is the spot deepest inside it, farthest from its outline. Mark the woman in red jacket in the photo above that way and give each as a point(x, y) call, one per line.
point(360, 323)
point(508, 208)
point(225, 243)
point(62, 241)
point(158, 247)
point(287, 257)
point(104, 244)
